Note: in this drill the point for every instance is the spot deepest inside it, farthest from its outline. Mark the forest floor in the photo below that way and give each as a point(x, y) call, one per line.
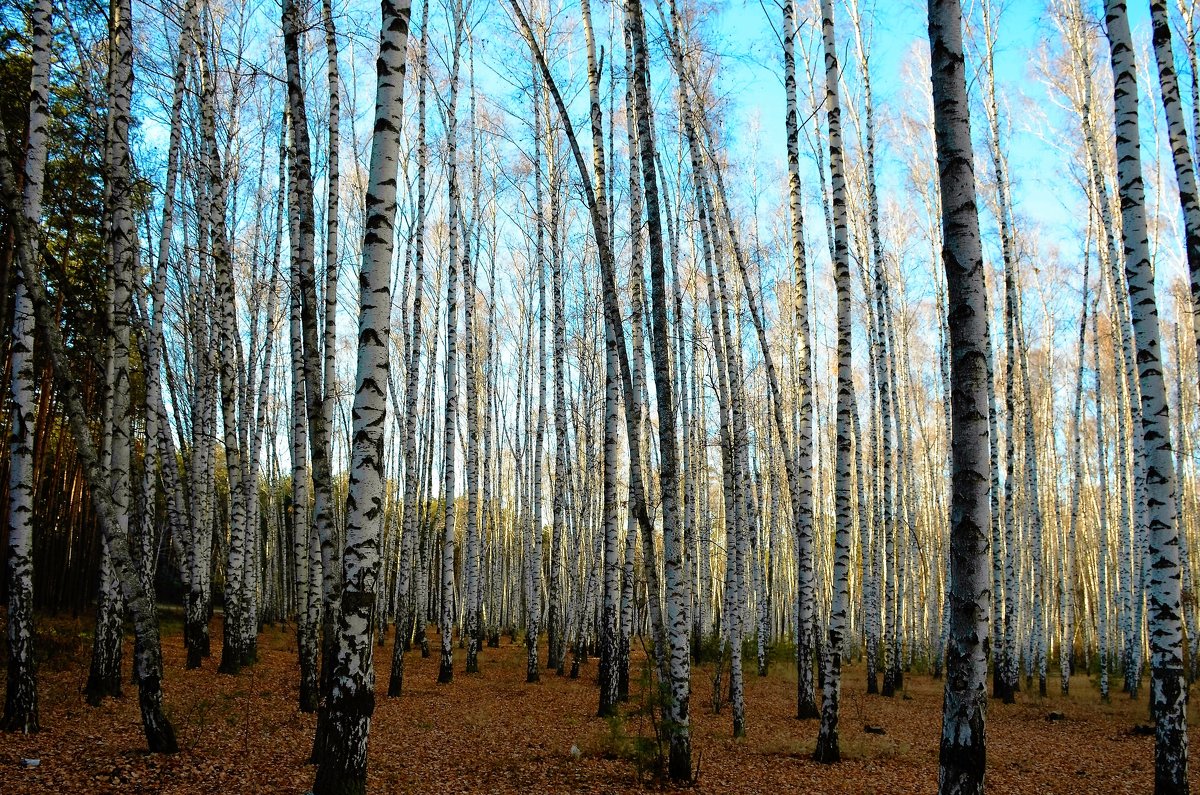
point(492, 732)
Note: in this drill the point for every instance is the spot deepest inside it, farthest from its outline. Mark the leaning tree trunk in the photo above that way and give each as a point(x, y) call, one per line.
point(21, 695)
point(962, 756)
point(343, 764)
point(1168, 689)
point(598, 212)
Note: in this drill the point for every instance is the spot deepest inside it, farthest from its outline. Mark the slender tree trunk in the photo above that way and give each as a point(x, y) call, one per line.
point(675, 710)
point(639, 421)
point(597, 205)
point(1181, 153)
point(446, 625)
point(533, 547)
point(1102, 617)
point(962, 755)
point(610, 509)
point(104, 674)
point(318, 428)
point(21, 692)
point(306, 565)
point(343, 766)
point(827, 749)
point(1067, 604)
point(801, 488)
point(111, 503)
point(1168, 689)
point(559, 527)
point(233, 651)
point(470, 564)
point(409, 507)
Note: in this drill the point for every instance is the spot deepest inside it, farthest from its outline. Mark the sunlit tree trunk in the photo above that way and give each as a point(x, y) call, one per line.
point(1181, 152)
point(962, 755)
point(827, 749)
point(343, 766)
point(446, 624)
point(410, 511)
point(1168, 689)
point(675, 710)
point(1102, 616)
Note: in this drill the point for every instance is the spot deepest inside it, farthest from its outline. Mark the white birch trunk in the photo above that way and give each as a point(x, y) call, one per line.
point(343, 766)
point(1168, 701)
point(21, 693)
point(962, 754)
point(827, 748)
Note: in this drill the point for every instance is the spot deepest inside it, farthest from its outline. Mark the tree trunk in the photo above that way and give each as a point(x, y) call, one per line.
point(343, 766)
point(827, 749)
point(160, 735)
point(408, 616)
point(446, 624)
point(1168, 689)
point(962, 755)
point(1181, 153)
point(21, 692)
point(675, 710)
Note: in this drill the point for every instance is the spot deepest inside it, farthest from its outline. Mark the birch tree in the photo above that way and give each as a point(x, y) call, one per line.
point(343, 767)
point(1181, 150)
point(111, 502)
point(827, 749)
point(1168, 691)
point(963, 746)
point(21, 690)
point(676, 708)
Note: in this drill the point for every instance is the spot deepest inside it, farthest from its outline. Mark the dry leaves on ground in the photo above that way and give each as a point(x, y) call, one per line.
point(492, 732)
